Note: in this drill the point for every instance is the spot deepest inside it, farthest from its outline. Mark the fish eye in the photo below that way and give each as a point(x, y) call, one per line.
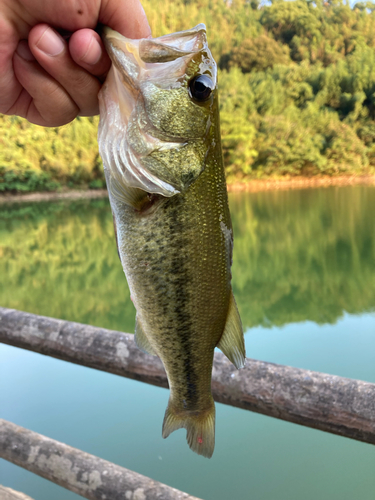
point(201, 87)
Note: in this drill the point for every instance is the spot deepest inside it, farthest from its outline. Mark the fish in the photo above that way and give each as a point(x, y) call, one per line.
point(159, 139)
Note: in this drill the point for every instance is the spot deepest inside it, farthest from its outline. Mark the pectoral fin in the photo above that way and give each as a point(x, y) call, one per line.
point(141, 340)
point(232, 342)
point(134, 197)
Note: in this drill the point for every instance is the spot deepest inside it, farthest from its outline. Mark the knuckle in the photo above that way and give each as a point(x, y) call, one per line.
point(56, 107)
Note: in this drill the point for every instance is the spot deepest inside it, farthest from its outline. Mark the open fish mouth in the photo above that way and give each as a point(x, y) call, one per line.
point(135, 59)
point(152, 136)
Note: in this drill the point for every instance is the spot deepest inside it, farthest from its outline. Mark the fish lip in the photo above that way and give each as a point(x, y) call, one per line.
point(145, 54)
point(171, 39)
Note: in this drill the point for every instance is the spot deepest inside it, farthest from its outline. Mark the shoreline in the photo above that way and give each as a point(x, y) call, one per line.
point(250, 186)
point(257, 185)
point(73, 194)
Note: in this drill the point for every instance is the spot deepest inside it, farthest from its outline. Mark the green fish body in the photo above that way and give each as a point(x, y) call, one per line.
point(159, 138)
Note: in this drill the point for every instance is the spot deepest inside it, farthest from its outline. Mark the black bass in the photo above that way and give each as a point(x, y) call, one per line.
point(159, 138)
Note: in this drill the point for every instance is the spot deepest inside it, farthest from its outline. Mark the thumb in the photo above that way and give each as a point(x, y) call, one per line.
point(125, 16)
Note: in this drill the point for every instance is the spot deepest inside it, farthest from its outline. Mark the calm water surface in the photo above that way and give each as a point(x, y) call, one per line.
point(304, 279)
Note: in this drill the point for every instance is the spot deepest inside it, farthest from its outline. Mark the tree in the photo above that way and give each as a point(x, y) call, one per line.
point(258, 54)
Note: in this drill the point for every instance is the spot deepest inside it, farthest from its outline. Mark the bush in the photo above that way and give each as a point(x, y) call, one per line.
point(97, 184)
point(21, 181)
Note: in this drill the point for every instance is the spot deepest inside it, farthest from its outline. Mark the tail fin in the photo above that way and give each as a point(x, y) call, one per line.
point(200, 427)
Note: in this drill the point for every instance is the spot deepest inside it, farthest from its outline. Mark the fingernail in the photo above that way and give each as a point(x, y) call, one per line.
point(93, 52)
point(24, 51)
point(51, 43)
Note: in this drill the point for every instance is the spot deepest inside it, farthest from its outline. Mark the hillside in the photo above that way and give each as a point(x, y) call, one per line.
point(297, 94)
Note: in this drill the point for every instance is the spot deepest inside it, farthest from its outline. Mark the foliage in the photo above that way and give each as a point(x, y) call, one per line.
point(34, 158)
point(258, 54)
point(25, 180)
point(297, 95)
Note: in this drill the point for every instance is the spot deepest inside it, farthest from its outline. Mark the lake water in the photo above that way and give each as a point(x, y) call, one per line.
point(304, 279)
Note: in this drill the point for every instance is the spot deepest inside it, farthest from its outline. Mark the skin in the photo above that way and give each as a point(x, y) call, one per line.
point(48, 79)
point(177, 264)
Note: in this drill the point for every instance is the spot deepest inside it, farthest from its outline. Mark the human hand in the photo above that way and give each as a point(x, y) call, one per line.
point(47, 79)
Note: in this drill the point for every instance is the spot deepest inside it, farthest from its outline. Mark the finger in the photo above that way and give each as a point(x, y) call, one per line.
point(43, 100)
point(87, 50)
point(125, 16)
point(51, 51)
point(9, 87)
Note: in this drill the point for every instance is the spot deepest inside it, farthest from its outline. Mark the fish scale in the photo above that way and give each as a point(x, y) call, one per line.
point(175, 247)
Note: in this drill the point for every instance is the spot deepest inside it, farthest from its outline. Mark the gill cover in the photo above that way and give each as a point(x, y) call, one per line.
point(153, 136)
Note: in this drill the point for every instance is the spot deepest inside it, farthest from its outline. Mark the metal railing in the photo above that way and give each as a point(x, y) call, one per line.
point(327, 402)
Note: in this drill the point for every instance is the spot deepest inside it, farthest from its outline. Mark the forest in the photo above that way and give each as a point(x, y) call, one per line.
point(297, 96)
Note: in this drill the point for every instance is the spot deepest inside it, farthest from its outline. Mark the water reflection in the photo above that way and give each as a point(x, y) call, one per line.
point(299, 255)
point(304, 254)
point(60, 259)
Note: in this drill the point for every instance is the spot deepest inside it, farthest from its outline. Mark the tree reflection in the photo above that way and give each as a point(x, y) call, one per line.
point(298, 255)
point(304, 254)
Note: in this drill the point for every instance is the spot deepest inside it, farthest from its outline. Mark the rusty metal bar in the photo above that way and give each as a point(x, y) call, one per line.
point(327, 402)
point(77, 471)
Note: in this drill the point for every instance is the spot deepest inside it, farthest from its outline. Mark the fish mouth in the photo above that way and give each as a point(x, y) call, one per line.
point(139, 60)
point(127, 137)
point(162, 49)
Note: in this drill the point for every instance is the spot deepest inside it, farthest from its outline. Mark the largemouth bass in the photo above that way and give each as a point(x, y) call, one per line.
point(159, 139)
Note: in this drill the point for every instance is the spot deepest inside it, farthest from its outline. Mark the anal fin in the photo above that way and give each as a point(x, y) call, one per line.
point(141, 340)
point(232, 342)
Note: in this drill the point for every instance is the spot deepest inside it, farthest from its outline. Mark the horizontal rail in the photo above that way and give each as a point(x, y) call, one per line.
point(9, 494)
point(327, 402)
point(77, 471)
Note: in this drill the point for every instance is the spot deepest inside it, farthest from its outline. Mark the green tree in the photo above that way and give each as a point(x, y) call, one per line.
point(297, 95)
point(258, 54)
